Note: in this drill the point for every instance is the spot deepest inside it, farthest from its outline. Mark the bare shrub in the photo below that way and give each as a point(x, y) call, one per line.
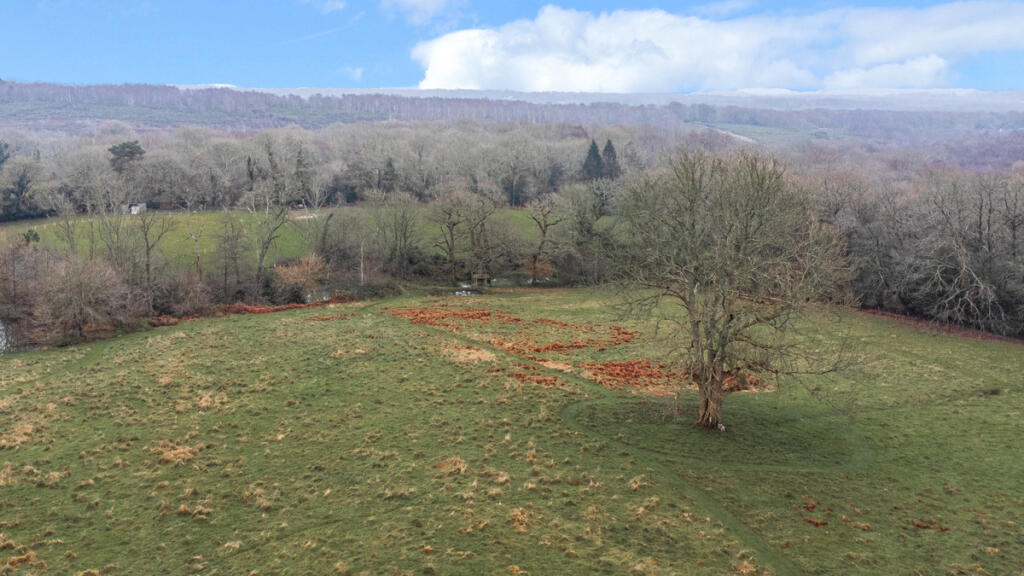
point(183, 295)
point(307, 273)
point(80, 296)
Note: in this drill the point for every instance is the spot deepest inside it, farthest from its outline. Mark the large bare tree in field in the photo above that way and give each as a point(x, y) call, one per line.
point(727, 252)
point(545, 214)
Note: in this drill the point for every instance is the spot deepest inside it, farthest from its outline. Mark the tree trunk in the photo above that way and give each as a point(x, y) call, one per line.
point(711, 396)
point(199, 264)
point(149, 278)
point(451, 264)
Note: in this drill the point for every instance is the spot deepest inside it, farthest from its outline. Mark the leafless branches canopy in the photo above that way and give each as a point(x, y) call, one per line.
point(727, 250)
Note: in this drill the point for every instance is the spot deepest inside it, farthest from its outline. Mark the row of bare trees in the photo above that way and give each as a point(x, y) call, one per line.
point(201, 170)
point(934, 243)
point(943, 245)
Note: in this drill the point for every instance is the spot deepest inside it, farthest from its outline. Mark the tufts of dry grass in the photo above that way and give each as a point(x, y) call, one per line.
point(19, 434)
point(175, 453)
point(7, 402)
point(463, 354)
point(454, 466)
point(257, 495)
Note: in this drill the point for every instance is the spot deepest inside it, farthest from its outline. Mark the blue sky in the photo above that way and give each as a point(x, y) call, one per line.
point(604, 45)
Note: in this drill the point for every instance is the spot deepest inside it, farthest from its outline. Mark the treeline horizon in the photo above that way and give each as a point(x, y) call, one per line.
point(81, 109)
point(922, 237)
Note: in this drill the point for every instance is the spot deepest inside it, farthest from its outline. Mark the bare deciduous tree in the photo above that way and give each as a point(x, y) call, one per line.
point(396, 226)
point(478, 212)
point(268, 202)
point(545, 214)
point(727, 252)
point(77, 294)
point(151, 227)
point(449, 216)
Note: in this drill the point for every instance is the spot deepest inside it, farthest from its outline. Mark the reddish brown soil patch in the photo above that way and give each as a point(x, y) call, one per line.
point(658, 380)
point(546, 381)
point(524, 344)
point(98, 331)
point(240, 308)
point(632, 374)
point(557, 323)
point(443, 316)
point(159, 321)
point(558, 347)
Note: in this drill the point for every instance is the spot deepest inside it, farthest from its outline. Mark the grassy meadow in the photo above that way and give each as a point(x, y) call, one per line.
point(473, 435)
point(177, 248)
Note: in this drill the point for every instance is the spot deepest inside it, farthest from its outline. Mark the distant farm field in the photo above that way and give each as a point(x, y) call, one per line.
point(178, 248)
point(528, 432)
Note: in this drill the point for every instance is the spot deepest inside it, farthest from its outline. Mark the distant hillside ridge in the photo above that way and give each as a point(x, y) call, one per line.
point(78, 109)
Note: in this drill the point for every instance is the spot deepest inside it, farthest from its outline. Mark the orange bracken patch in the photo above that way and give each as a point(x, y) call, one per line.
point(444, 316)
point(636, 374)
point(240, 308)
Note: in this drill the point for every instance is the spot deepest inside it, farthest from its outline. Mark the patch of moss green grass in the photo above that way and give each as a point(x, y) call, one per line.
point(365, 443)
point(177, 249)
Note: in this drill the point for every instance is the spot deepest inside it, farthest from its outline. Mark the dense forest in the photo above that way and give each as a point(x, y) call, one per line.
point(80, 109)
point(931, 230)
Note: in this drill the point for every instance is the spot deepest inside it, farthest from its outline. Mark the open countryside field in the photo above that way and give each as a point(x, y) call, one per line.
point(177, 248)
point(511, 433)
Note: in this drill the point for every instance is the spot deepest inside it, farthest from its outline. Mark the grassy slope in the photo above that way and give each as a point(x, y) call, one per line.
point(177, 248)
point(314, 447)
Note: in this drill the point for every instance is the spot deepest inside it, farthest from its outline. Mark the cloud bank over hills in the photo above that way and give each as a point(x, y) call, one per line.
point(630, 51)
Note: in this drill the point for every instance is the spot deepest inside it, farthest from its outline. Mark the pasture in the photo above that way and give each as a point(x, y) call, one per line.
point(524, 432)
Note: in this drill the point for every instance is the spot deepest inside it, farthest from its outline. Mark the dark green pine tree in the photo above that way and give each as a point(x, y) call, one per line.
point(593, 166)
point(611, 161)
point(388, 179)
point(122, 155)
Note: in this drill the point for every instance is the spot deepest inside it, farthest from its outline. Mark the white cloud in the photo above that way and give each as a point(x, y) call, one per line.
point(723, 8)
point(657, 51)
point(353, 73)
point(419, 12)
point(924, 72)
point(327, 6)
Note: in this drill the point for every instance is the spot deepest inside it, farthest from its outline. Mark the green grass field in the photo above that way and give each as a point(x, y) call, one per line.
point(177, 249)
point(353, 440)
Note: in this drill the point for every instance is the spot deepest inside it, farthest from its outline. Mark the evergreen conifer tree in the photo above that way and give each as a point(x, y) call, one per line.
point(593, 166)
point(611, 161)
